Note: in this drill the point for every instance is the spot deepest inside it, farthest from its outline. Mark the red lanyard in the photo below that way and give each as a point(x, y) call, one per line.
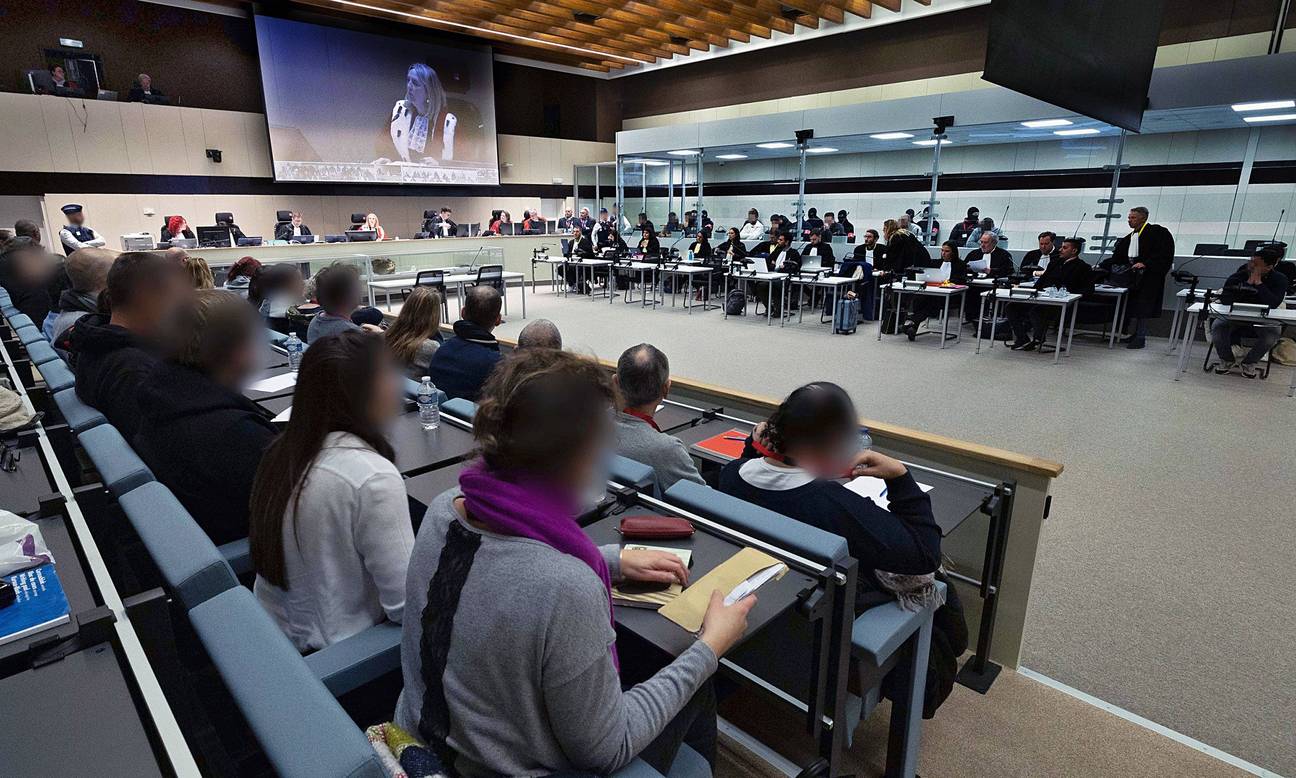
point(766, 451)
point(643, 416)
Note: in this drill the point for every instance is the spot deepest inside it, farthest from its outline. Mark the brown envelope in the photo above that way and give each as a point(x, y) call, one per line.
point(688, 608)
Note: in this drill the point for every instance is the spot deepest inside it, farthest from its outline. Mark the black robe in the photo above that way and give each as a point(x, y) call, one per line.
point(1156, 251)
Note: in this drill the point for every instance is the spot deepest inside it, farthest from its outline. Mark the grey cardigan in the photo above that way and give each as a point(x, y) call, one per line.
point(665, 454)
point(529, 680)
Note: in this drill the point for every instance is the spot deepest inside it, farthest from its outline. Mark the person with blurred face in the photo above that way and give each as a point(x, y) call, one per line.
point(531, 673)
point(329, 527)
point(193, 399)
point(114, 352)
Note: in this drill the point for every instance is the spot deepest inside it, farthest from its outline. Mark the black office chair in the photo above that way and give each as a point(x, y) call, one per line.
point(224, 217)
point(566, 246)
point(433, 279)
point(491, 275)
point(165, 235)
point(357, 219)
point(1210, 350)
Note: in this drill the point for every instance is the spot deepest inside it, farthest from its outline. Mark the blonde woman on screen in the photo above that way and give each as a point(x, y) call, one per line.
point(422, 130)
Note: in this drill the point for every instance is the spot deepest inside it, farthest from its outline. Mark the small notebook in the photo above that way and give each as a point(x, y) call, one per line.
point(275, 383)
point(41, 604)
point(650, 595)
point(748, 569)
point(727, 444)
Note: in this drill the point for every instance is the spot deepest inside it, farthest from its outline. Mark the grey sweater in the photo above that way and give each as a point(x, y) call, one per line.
point(529, 681)
point(665, 454)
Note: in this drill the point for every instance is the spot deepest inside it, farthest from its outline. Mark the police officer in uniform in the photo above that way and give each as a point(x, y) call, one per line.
point(76, 235)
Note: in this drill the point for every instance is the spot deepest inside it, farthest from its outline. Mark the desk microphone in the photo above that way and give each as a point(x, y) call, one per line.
point(1080, 223)
point(1277, 226)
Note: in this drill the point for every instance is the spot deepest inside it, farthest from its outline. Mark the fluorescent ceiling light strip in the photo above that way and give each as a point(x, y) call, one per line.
point(931, 142)
point(731, 156)
point(778, 145)
point(1038, 123)
point(891, 136)
point(1274, 117)
point(478, 31)
point(1264, 106)
point(1081, 131)
point(685, 152)
point(820, 150)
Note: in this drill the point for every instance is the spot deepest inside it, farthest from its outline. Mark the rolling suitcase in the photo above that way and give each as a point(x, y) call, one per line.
point(846, 316)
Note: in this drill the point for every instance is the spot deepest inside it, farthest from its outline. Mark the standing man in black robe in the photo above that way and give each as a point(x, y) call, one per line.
point(1148, 249)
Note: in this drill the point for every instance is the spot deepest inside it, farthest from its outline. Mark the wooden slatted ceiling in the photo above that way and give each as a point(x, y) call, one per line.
point(624, 32)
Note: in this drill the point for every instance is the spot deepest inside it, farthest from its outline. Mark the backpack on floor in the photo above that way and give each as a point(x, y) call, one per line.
point(736, 303)
point(846, 316)
point(1002, 328)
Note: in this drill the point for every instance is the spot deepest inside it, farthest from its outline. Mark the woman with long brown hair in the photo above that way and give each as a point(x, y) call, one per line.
point(416, 334)
point(329, 529)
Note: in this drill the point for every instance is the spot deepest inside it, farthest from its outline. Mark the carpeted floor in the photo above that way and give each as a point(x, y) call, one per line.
point(1162, 583)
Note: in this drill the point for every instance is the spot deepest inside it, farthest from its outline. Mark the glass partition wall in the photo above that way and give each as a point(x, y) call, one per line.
point(1201, 176)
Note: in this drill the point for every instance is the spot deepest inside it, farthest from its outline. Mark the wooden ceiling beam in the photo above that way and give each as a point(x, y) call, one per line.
point(890, 5)
point(861, 8)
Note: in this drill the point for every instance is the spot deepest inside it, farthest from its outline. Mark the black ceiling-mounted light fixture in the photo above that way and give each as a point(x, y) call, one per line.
point(584, 18)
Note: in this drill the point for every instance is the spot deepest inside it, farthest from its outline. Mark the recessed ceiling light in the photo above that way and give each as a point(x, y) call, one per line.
point(1266, 106)
point(931, 142)
point(649, 162)
point(1039, 123)
point(820, 150)
point(684, 152)
point(731, 156)
point(1273, 117)
point(774, 145)
point(1081, 131)
point(891, 136)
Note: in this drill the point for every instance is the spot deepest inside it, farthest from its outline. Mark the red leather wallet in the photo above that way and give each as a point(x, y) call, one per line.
point(655, 528)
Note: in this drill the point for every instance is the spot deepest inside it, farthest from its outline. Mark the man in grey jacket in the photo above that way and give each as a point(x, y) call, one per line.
point(643, 378)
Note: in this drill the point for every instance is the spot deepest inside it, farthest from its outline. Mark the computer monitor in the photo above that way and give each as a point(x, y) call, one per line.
point(1210, 249)
point(186, 243)
point(356, 236)
point(506, 229)
point(216, 237)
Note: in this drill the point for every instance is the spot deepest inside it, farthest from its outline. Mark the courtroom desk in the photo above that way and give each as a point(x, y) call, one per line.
point(276, 405)
point(419, 450)
point(408, 254)
point(21, 490)
point(278, 370)
point(80, 597)
point(426, 487)
point(671, 416)
point(709, 551)
point(75, 716)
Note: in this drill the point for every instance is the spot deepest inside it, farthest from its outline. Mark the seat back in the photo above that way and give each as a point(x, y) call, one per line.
point(357, 219)
point(28, 335)
point(786, 533)
point(276, 337)
point(193, 569)
point(57, 375)
point(460, 408)
point(41, 352)
point(303, 731)
point(491, 275)
point(431, 278)
point(20, 320)
point(119, 467)
point(635, 474)
point(364, 657)
point(79, 416)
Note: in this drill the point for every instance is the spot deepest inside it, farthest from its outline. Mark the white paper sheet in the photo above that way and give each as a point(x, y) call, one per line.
point(275, 383)
point(875, 489)
point(979, 265)
point(284, 415)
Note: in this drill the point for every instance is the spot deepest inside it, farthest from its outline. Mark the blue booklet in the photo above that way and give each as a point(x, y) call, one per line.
point(41, 604)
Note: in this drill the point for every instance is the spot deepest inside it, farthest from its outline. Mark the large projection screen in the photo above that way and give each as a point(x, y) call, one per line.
point(347, 106)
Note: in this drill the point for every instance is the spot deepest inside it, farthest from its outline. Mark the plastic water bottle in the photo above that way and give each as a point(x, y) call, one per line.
point(429, 405)
point(866, 440)
point(690, 255)
point(294, 347)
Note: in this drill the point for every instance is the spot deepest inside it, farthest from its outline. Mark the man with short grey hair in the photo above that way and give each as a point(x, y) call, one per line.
point(87, 269)
point(643, 380)
point(540, 333)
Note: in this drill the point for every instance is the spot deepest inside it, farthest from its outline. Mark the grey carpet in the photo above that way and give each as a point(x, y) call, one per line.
point(1162, 583)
